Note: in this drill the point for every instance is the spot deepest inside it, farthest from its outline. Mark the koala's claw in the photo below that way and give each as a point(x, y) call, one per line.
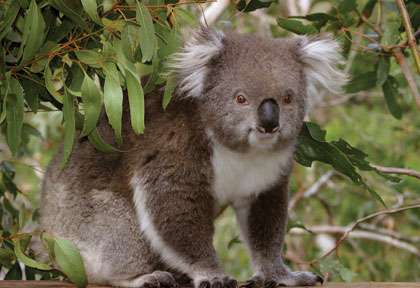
point(254, 282)
point(300, 278)
point(217, 282)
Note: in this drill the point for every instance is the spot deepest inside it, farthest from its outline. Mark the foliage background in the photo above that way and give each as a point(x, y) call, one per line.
point(60, 55)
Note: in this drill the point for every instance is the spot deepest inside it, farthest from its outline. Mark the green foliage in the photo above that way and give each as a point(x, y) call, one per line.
point(69, 61)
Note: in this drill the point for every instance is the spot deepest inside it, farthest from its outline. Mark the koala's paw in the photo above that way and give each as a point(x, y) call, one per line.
point(299, 278)
point(217, 282)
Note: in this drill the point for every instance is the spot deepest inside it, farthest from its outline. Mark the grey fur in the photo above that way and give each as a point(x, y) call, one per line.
point(152, 207)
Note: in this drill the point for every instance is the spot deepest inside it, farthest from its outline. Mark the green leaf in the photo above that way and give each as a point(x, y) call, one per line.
point(92, 104)
point(392, 30)
point(8, 18)
point(6, 257)
point(296, 26)
point(169, 90)
point(148, 41)
point(390, 90)
point(346, 6)
point(339, 154)
point(316, 132)
point(48, 243)
point(113, 99)
point(252, 5)
point(382, 70)
point(69, 8)
point(49, 84)
point(369, 6)
point(91, 8)
point(310, 149)
point(14, 114)
point(360, 82)
point(136, 102)
point(26, 260)
point(69, 126)
point(130, 41)
point(70, 262)
point(34, 28)
point(319, 19)
point(107, 5)
point(90, 57)
point(15, 273)
point(99, 143)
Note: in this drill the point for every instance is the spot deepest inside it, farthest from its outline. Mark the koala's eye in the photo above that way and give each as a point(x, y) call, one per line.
point(240, 99)
point(288, 97)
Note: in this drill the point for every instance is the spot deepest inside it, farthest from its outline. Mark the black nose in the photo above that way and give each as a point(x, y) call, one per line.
point(268, 116)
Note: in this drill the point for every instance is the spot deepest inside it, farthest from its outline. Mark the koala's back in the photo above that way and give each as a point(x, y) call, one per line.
point(90, 201)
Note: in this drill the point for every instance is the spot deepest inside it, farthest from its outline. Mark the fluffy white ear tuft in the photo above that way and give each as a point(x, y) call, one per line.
point(321, 58)
point(190, 65)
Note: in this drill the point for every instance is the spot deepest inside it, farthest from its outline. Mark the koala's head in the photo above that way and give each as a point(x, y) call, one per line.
point(253, 93)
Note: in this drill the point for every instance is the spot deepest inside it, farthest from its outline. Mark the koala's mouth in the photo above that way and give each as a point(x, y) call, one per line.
point(265, 136)
point(262, 140)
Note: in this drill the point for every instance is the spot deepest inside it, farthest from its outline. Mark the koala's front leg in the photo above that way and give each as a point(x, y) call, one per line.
point(263, 222)
point(177, 219)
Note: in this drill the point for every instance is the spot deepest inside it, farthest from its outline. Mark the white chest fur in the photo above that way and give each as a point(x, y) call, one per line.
point(238, 175)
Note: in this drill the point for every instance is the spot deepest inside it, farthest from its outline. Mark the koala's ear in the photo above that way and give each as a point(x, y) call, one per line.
point(321, 57)
point(190, 65)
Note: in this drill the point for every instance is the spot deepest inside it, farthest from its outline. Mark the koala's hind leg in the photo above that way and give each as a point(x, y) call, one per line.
point(156, 279)
point(104, 227)
point(263, 225)
point(178, 222)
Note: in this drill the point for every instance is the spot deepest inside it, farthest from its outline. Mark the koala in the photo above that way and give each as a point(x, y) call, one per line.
point(143, 217)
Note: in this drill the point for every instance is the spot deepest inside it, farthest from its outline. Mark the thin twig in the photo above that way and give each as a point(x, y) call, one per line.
point(370, 235)
point(361, 220)
point(409, 30)
point(397, 170)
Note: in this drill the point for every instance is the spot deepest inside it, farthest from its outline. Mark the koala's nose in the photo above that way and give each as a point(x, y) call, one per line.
point(268, 116)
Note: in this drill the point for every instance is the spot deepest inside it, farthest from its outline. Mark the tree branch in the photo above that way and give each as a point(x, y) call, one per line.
point(409, 30)
point(396, 170)
point(361, 220)
point(362, 235)
point(405, 69)
point(214, 11)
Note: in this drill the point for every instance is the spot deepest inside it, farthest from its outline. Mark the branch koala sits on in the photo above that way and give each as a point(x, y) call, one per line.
point(144, 217)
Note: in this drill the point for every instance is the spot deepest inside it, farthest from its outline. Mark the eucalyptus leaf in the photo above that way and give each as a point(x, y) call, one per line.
point(90, 57)
point(67, 8)
point(169, 90)
point(296, 26)
point(70, 262)
point(361, 82)
point(69, 126)
point(390, 90)
point(14, 114)
point(113, 99)
point(99, 143)
point(148, 41)
point(49, 84)
point(136, 102)
point(34, 31)
point(26, 260)
point(92, 104)
point(252, 5)
point(382, 70)
point(91, 8)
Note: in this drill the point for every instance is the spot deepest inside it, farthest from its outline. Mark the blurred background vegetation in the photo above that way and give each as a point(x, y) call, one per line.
point(53, 50)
